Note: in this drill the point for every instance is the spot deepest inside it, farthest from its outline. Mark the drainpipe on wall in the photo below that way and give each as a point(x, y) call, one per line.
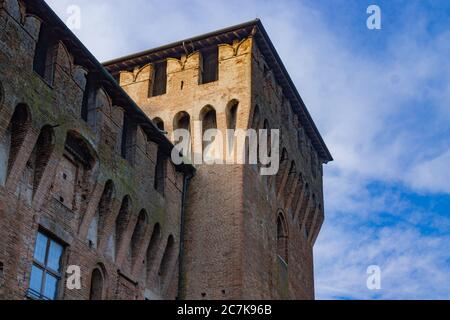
point(187, 179)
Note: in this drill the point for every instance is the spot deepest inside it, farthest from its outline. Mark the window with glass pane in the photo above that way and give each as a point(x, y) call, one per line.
point(46, 269)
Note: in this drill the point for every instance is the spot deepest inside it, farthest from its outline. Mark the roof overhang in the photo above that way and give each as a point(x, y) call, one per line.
point(85, 58)
point(252, 28)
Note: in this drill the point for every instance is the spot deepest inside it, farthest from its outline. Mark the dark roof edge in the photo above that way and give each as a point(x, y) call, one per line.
point(294, 89)
point(257, 23)
point(158, 137)
point(180, 43)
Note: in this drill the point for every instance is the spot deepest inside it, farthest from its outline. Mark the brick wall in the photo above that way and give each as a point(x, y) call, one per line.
point(232, 211)
point(43, 187)
point(213, 228)
point(75, 179)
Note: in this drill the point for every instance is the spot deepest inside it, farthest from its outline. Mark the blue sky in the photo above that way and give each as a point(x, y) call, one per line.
point(381, 99)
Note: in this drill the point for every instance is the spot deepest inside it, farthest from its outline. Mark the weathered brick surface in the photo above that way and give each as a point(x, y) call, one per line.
point(35, 195)
point(243, 235)
point(232, 211)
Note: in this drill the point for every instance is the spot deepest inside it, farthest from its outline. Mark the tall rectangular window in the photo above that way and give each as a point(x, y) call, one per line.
point(45, 54)
point(159, 78)
point(86, 109)
point(210, 65)
point(160, 172)
point(129, 132)
point(46, 269)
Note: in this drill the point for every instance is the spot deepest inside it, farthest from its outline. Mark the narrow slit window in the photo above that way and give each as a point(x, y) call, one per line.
point(282, 239)
point(88, 106)
point(183, 121)
point(45, 54)
point(209, 121)
point(129, 131)
point(160, 172)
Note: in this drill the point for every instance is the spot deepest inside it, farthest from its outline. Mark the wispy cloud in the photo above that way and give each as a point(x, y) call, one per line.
point(381, 101)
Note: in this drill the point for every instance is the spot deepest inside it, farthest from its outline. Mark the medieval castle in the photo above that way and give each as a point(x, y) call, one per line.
point(88, 185)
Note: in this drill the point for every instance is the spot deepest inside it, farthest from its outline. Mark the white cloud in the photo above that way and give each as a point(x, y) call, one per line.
point(413, 266)
point(433, 174)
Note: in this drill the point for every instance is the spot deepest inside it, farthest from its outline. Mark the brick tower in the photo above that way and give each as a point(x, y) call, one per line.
point(245, 236)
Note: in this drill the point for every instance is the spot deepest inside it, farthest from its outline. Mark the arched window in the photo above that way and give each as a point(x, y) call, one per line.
point(209, 121)
point(159, 123)
point(88, 105)
point(160, 172)
point(45, 54)
point(138, 235)
point(97, 285)
point(231, 112)
point(129, 135)
point(282, 238)
point(167, 258)
point(96, 228)
point(208, 117)
point(152, 248)
point(182, 120)
point(121, 224)
point(96, 102)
